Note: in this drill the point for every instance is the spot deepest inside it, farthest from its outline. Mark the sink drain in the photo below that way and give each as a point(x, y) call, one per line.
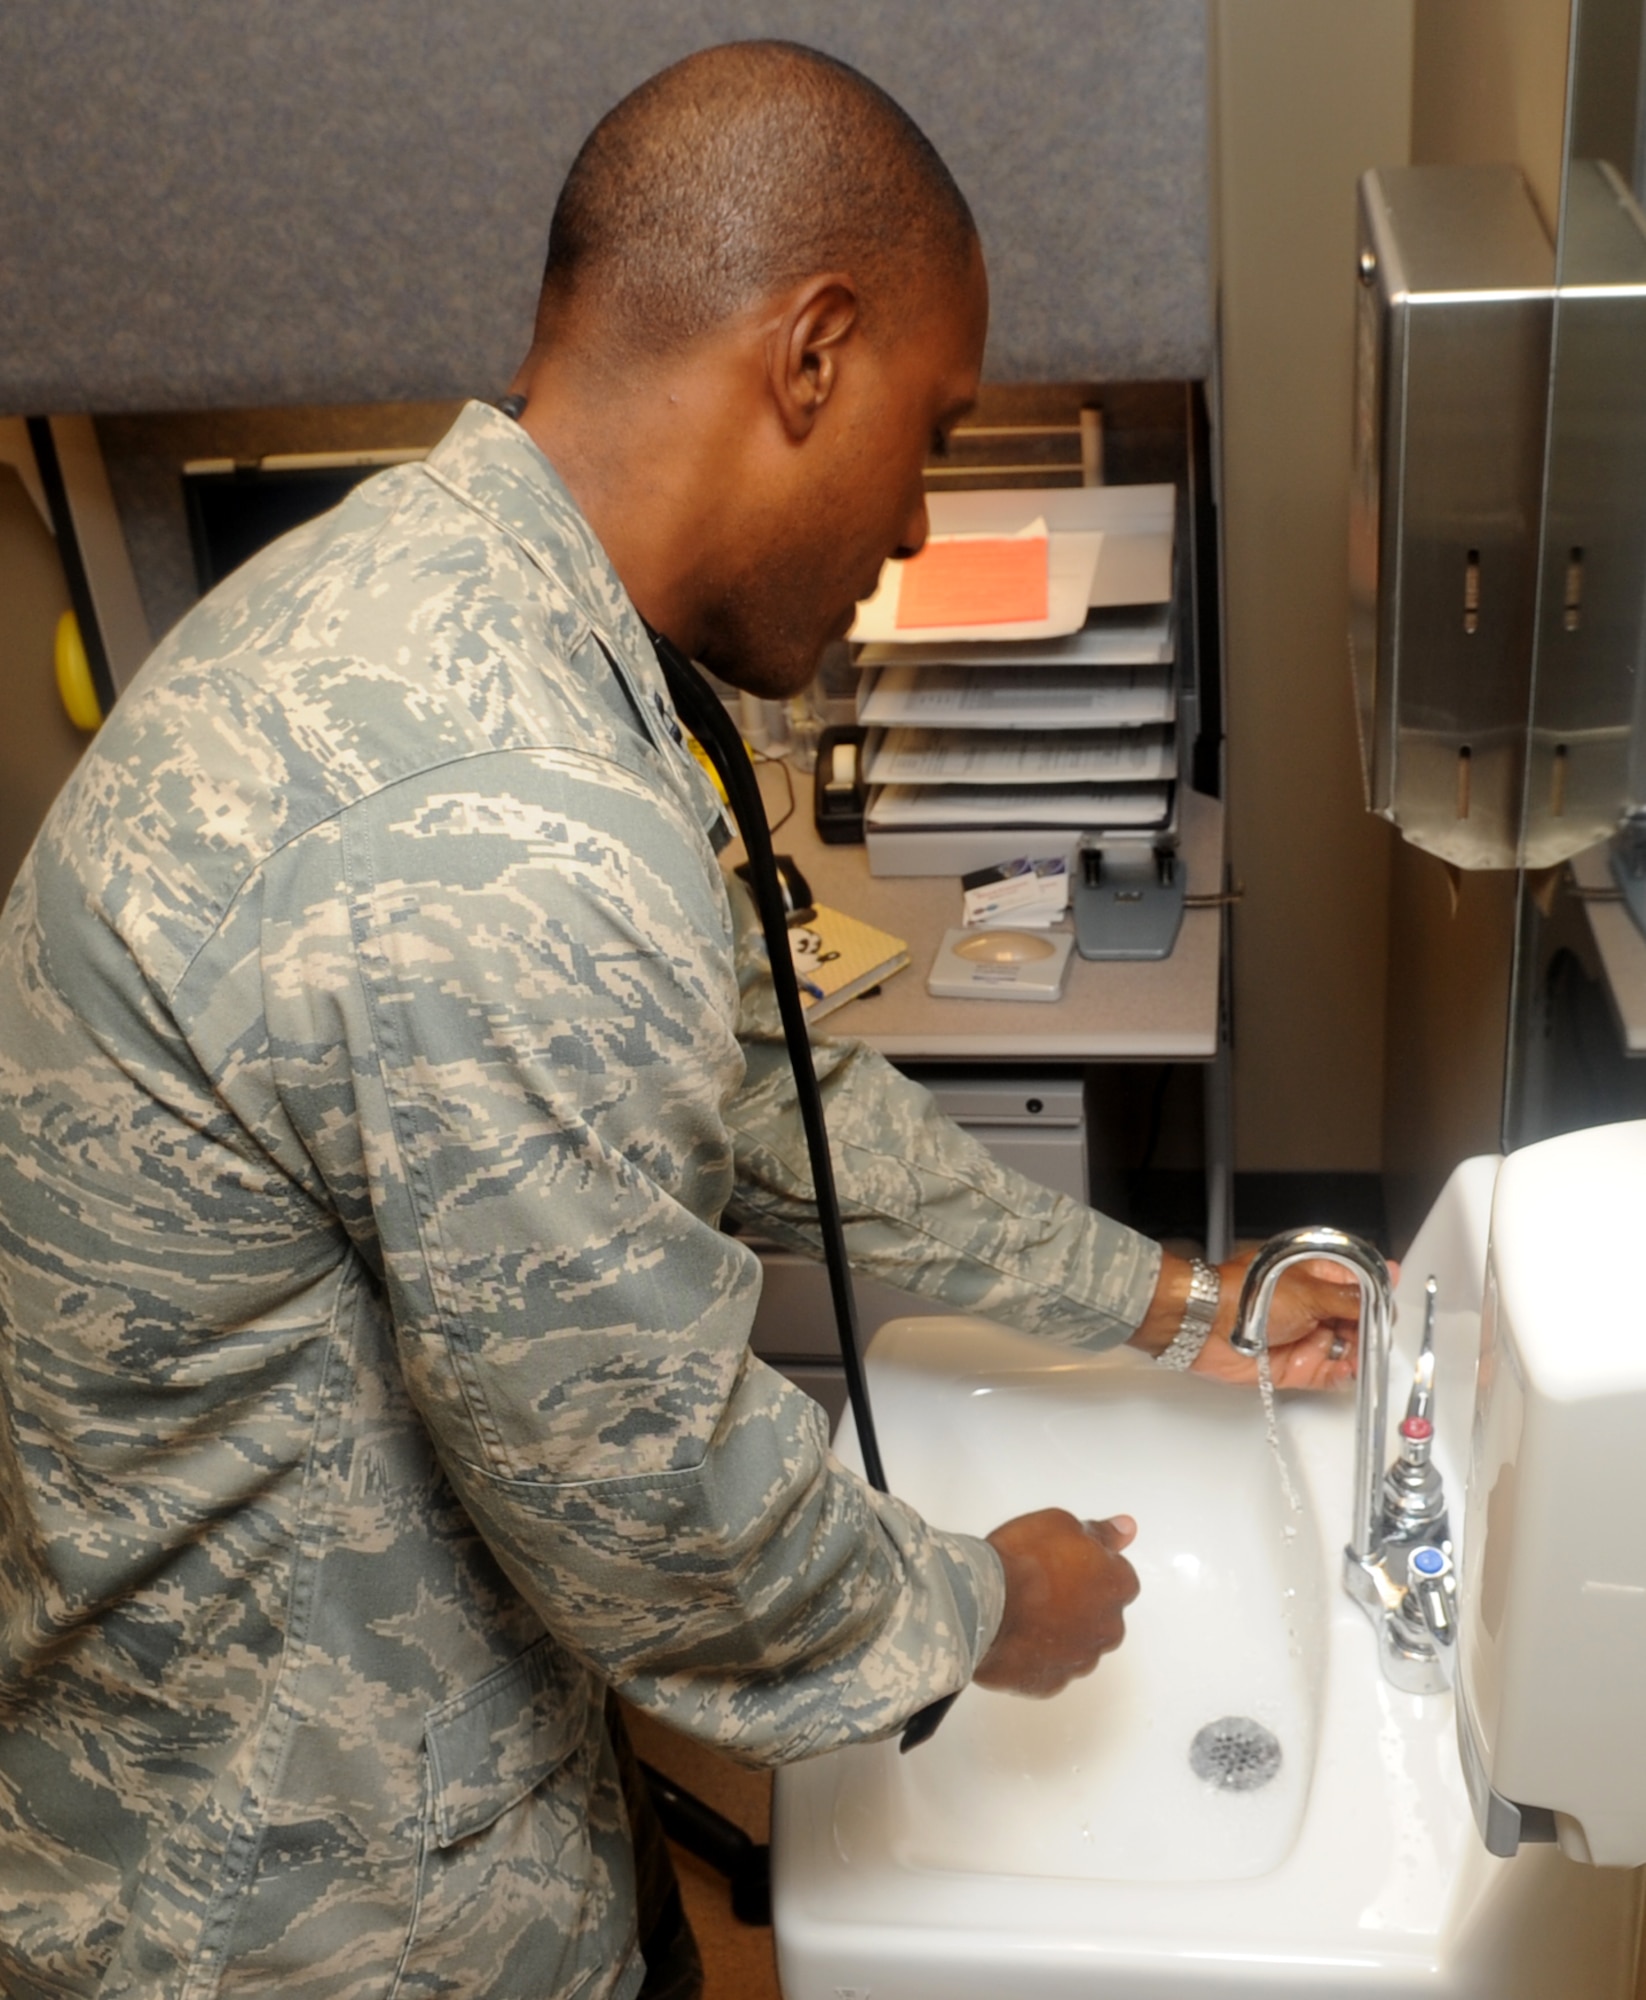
point(1235, 1754)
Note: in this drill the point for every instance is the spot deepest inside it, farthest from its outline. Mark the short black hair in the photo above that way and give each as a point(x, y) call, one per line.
point(741, 170)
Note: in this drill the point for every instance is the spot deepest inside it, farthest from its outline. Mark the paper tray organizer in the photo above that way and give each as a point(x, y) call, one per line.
point(1113, 684)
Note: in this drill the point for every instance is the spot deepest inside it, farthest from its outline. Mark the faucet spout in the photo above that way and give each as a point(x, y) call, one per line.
point(1250, 1336)
point(1415, 1638)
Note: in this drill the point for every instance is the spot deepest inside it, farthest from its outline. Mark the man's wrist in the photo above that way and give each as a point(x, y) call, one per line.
point(990, 1599)
point(1163, 1321)
point(1202, 1298)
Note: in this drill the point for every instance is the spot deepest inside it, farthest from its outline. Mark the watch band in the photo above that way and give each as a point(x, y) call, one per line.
point(1199, 1313)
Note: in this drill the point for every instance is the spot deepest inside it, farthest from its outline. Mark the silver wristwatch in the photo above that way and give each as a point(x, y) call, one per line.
point(1199, 1312)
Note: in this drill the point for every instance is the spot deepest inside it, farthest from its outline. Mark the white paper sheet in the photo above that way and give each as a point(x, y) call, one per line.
point(1104, 510)
point(1136, 522)
point(1143, 637)
point(896, 806)
point(1015, 697)
point(1023, 757)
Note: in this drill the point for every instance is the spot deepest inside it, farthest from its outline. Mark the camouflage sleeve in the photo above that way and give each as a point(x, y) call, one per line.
point(506, 1024)
point(926, 1207)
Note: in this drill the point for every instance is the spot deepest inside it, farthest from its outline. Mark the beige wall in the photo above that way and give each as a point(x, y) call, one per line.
point(1451, 944)
point(1489, 84)
point(1310, 93)
point(39, 746)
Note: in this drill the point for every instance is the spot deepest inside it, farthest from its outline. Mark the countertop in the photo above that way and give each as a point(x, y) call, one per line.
point(1162, 1010)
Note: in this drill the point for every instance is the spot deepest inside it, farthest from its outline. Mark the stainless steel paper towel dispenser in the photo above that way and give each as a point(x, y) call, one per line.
point(1451, 379)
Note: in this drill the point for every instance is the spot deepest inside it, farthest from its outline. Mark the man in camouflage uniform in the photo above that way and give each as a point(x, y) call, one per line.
point(380, 1049)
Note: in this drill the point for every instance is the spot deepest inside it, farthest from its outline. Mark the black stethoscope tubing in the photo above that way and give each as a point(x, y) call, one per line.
point(701, 710)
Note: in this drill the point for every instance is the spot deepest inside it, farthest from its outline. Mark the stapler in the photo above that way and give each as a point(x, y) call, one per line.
point(840, 794)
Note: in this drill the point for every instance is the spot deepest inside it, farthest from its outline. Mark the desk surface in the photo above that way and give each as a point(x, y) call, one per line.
point(1162, 1010)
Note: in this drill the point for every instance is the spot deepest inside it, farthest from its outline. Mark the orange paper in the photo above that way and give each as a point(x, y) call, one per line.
point(981, 582)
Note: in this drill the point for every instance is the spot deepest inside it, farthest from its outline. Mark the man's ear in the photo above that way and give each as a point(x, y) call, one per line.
point(804, 352)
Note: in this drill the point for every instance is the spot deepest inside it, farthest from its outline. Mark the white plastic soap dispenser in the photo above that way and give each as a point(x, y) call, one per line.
point(1551, 1679)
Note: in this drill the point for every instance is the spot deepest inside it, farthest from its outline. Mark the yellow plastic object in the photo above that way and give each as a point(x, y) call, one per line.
point(74, 682)
point(702, 757)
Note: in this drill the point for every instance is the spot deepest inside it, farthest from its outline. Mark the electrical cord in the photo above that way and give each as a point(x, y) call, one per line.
point(781, 764)
point(705, 716)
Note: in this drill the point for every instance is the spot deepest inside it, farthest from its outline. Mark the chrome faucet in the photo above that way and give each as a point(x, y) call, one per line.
point(1397, 1564)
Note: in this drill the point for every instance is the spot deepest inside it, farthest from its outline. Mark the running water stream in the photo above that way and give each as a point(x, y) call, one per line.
point(1271, 1425)
point(1292, 1510)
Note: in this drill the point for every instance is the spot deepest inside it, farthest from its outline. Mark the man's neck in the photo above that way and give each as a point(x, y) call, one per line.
point(652, 461)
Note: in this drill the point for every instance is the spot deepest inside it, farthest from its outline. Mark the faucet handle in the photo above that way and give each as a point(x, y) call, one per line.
point(1431, 1581)
point(1420, 1403)
point(1414, 1500)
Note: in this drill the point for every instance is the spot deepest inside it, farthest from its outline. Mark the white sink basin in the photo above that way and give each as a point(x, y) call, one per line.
point(1068, 1847)
point(1097, 1783)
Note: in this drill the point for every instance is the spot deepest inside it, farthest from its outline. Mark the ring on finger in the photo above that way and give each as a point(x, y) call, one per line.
point(1339, 1347)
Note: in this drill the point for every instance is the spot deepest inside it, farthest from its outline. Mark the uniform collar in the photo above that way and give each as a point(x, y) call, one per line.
point(489, 463)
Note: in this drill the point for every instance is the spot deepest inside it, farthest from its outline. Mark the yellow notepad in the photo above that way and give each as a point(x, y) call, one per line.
point(837, 957)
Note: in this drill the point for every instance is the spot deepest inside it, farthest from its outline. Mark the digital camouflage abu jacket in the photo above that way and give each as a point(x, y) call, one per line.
point(378, 1055)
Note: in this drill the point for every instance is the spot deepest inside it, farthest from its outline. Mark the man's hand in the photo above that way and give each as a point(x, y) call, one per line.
point(1314, 1327)
point(1067, 1585)
point(1314, 1323)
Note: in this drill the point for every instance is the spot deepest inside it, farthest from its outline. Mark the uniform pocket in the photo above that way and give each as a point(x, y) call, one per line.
point(496, 1742)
